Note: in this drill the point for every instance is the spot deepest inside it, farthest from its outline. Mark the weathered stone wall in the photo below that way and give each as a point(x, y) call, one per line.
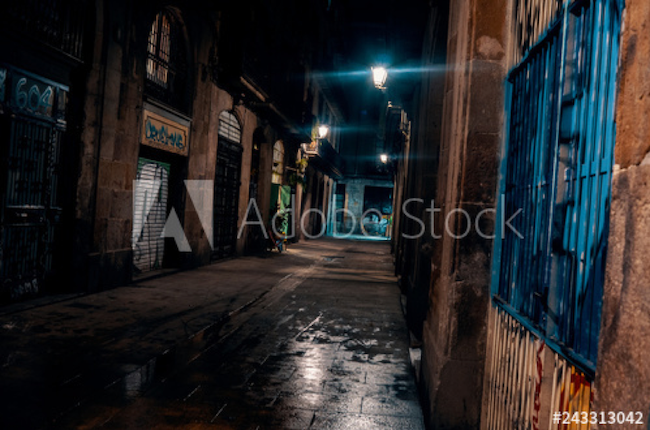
point(266, 171)
point(111, 146)
point(202, 157)
point(117, 137)
point(354, 199)
point(86, 274)
point(249, 124)
point(456, 327)
point(210, 101)
point(633, 127)
point(623, 368)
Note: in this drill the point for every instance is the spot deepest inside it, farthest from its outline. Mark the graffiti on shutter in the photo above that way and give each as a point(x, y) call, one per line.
point(150, 194)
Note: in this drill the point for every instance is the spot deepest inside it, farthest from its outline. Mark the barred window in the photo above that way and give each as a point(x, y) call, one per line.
point(557, 172)
point(57, 23)
point(167, 76)
point(530, 19)
point(229, 127)
point(158, 50)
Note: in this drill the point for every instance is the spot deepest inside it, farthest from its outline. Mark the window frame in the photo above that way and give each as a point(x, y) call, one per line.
point(167, 69)
point(544, 302)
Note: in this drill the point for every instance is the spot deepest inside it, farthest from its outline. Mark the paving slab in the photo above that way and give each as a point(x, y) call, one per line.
point(310, 338)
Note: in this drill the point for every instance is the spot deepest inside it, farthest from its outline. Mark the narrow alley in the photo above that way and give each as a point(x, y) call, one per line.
point(325, 214)
point(310, 338)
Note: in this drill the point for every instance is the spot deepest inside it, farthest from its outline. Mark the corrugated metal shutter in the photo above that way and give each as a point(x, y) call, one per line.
point(150, 196)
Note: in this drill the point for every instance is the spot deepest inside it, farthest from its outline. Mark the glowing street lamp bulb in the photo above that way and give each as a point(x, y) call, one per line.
point(322, 131)
point(379, 76)
point(383, 158)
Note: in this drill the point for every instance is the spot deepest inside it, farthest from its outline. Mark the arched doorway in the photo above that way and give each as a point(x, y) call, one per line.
point(161, 166)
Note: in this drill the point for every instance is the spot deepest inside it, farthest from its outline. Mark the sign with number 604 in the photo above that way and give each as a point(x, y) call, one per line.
point(32, 95)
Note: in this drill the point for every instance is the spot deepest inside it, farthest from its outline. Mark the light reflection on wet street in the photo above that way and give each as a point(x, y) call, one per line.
point(325, 348)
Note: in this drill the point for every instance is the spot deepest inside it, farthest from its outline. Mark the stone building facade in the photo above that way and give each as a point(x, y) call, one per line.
point(42, 116)
point(525, 292)
point(156, 123)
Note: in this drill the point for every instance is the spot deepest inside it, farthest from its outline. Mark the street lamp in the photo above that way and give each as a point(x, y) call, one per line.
point(322, 131)
point(383, 158)
point(379, 76)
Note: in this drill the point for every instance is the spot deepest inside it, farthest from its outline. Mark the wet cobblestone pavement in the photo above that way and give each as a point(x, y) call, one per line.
point(324, 348)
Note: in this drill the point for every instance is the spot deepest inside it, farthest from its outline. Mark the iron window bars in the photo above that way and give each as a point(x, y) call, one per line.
point(167, 76)
point(557, 168)
point(58, 23)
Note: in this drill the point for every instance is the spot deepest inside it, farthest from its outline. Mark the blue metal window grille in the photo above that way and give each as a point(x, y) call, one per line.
point(556, 169)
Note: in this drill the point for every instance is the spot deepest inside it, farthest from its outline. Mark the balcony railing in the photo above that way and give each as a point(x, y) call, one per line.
point(324, 157)
point(57, 23)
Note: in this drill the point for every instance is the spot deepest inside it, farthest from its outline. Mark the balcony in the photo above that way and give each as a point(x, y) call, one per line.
point(323, 157)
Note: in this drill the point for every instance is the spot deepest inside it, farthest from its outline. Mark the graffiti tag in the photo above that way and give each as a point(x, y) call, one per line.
point(163, 135)
point(24, 289)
